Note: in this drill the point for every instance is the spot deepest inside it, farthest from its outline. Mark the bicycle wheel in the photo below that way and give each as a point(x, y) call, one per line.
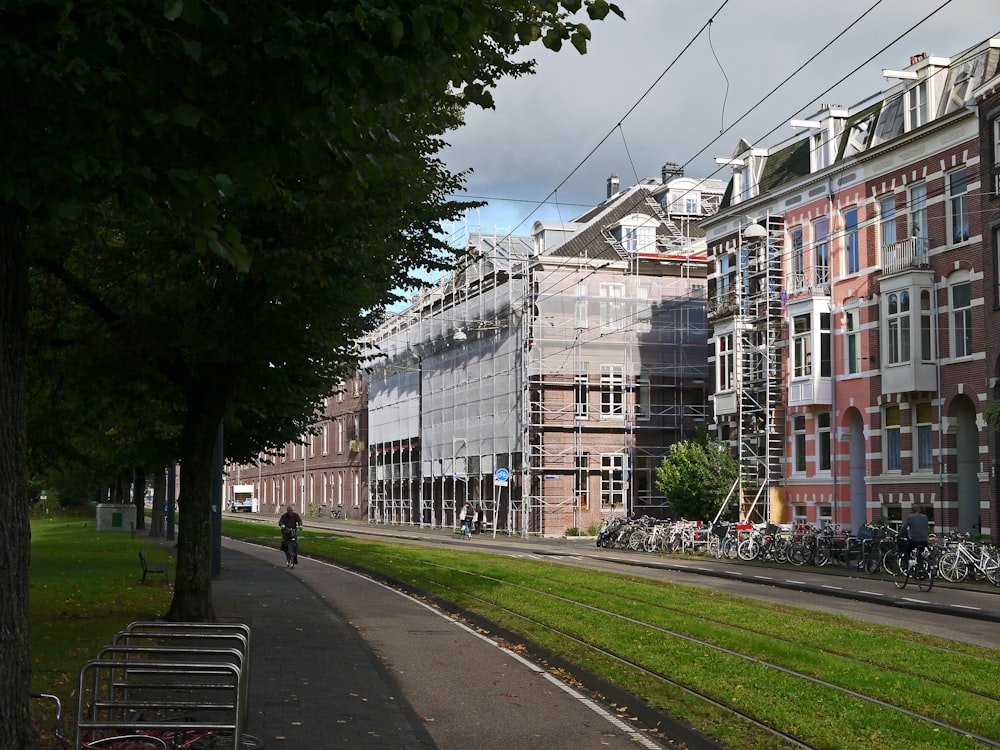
point(901, 573)
point(924, 575)
point(872, 560)
point(953, 568)
point(748, 550)
point(128, 742)
point(890, 562)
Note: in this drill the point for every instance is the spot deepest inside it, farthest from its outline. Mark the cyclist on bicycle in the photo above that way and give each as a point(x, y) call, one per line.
point(290, 521)
point(914, 533)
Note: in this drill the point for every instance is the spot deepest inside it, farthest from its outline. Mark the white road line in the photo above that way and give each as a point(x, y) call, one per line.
point(915, 601)
point(797, 583)
point(764, 578)
point(871, 593)
point(965, 606)
point(835, 588)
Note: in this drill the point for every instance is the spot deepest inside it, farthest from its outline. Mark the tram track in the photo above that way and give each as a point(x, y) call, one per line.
point(906, 697)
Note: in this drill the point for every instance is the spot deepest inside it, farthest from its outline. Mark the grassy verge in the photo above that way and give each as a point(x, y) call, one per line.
point(84, 588)
point(665, 628)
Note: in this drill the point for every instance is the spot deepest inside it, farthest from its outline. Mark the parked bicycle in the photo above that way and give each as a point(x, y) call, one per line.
point(119, 742)
point(964, 558)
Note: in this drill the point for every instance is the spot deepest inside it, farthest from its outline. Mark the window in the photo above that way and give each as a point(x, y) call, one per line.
point(725, 362)
point(612, 306)
point(996, 267)
point(799, 433)
point(724, 282)
point(958, 206)
point(581, 392)
point(891, 452)
point(926, 327)
point(581, 313)
point(326, 438)
point(821, 260)
point(916, 106)
point(643, 397)
point(340, 436)
point(581, 464)
point(630, 239)
point(823, 441)
point(612, 392)
point(802, 346)
point(887, 221)
point(853, 261)
point(918, 218)
point(798, 260)
point(612, 480)
point(898, 323)
point(925, 449)
point(825, 346)
point(692, 203)
point(961, 319)
point(853, 346)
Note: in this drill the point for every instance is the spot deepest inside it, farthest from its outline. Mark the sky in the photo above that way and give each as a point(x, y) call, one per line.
point(674, 83)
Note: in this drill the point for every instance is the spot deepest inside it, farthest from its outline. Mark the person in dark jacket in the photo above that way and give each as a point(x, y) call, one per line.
point(915, 532)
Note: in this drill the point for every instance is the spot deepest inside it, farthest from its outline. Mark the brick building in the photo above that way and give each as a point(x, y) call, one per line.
point(849, 319)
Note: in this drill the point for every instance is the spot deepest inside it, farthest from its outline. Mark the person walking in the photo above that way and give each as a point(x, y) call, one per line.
point(479, 518)
point(465, 518)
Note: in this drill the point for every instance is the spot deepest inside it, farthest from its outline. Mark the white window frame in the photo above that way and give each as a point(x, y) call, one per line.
point(916, 105)
point(852, 246)
point(643, 397)
point(957, 183)
point(821, 251)
point(612, 391)
point(581, 392)
point(725, 359)
point(898, 338)
point(799, 454)
point(613, 317)
point(892, 452)
point(927, 343)
point(960, 320)
point(581, 479)
point(923, 418)
point(802, 345)
point(613, 483)
point(824, 442)
point(852, 346)
point(581, 311)
point(917, 214)
point(887, 221)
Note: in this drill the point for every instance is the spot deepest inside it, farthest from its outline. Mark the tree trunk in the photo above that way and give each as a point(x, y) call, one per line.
point(158, 519)
point(139, 498)
point(193, 582)
point(16, 732)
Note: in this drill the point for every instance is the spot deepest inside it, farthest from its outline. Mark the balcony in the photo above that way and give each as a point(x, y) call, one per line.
point(723, 305)
point(906, 255)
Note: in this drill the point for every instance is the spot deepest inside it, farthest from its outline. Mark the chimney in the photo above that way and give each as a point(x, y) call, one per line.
point(670, 171)
point(612, 185)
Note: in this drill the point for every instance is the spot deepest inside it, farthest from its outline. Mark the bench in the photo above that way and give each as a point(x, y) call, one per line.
point(147, 568)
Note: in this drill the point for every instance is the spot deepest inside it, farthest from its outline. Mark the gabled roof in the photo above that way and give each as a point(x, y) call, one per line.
point(589, 242)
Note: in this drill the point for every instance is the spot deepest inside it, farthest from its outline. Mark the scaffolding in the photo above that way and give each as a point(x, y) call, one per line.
point(571, 361)
point(758, 370)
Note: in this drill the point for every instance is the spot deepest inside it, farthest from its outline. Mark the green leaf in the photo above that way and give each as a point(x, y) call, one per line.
point(395, 28)
point(187, 115)
point(172, 9)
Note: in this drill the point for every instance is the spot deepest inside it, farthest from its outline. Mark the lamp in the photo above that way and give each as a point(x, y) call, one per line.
point(459, 335)
point(754, 232)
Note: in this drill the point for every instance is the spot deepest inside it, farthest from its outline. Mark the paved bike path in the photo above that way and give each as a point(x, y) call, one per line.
point(338, 660)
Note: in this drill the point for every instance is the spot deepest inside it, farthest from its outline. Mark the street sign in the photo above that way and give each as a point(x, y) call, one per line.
point(501, 477)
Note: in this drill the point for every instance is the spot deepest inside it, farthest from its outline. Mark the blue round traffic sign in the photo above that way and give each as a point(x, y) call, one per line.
point(502, 475)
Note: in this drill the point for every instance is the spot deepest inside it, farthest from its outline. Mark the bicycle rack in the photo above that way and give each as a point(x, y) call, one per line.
point(153, 672)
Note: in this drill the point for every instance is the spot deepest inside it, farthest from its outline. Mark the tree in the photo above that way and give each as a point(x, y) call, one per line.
point(180, 116)
point(696, 475)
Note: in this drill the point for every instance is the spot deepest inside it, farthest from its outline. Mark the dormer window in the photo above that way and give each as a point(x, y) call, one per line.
point(637, 234)
point(916, 105)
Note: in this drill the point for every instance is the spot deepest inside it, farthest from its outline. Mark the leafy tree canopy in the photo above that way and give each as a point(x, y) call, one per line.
point(696, 476)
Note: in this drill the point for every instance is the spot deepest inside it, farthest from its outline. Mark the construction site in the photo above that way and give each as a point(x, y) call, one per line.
point(546, 378)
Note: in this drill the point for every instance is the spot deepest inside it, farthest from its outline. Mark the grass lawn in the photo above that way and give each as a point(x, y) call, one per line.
point(84, 588)
point(812, 672)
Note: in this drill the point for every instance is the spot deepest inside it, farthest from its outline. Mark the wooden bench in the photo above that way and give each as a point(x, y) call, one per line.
point(147, 568)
